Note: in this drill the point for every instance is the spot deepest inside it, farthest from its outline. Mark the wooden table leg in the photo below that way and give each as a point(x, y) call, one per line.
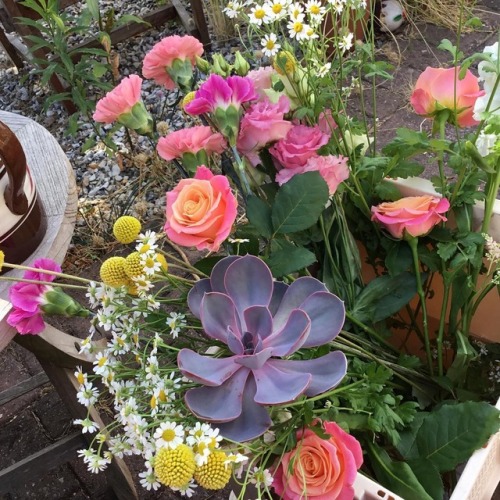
point(55, 350)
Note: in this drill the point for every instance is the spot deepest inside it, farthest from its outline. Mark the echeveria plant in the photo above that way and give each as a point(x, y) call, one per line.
point(262, 322)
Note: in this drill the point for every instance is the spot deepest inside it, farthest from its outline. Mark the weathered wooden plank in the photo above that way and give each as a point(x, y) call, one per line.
point(200, 22)
point(23, 387)
point(37, 465)
point(10, 49)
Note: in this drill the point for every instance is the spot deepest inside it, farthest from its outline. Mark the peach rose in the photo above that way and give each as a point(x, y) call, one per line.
point(413, 215)
point(319, 469)
point(435, 90)
point(201, 211)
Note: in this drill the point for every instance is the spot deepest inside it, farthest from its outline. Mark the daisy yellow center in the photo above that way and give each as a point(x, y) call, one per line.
point(102, 361)
point(175, 468)
point(168, 435)
point(270, 45)
point(149, 263)
point(310, 32)
point(315, 9)
point(80, 378)
point(145, 248)
point(213, 475)
point(259, 13)
point(298, 27)
point(277, 8)
point(152, 402)
point(162, 396)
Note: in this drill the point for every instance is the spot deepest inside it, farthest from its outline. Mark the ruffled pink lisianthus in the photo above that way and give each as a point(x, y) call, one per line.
point(26, 298)
point(436, 89)
point(262, 124)
point(119, 101)
point(190, 140)
point(300, 144)
point(332, 168)
point(162, 56)
point(217, 92)
point(262, 79)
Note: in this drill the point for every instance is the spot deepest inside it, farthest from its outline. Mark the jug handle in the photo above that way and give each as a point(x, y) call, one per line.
point(14, 160)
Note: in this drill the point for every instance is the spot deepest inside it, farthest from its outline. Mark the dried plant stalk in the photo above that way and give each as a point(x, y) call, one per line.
point(223, 27)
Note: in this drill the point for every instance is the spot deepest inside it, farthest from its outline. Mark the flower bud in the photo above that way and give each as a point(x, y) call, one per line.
point(203, 65)
point(220, 66)
point(241, 65)
point(57, 302)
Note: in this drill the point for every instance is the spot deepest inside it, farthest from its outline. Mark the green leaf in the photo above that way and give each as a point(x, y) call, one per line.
point(129, 18)
point(465, 353)
point(448, 436)
point(207, 264)
point(387, 191)
point(384, 296)
point(259, 215)
point(99, 70)
point(397, 476)
point(406, 168)
point(429, 477)
point(299, 203)
point(399, 258)
point(93, 7)
point(289, 259)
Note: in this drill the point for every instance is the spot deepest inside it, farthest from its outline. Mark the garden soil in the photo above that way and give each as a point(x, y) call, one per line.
point(37, 419)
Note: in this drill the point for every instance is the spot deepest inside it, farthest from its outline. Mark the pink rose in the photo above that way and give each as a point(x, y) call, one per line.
point(300, 144)
point(201, 211)
point(190, 140)
point(333, 169)
point(414, 215)
point(262, 79)
point(319, 469)
point(435, 90)
point(160, 59)
point(263, 123)
point(119, 101)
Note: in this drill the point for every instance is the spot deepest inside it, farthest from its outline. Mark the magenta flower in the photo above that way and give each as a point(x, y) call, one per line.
point(31, 300)
point(261, 321)
point(222, 99)
point(26, 298)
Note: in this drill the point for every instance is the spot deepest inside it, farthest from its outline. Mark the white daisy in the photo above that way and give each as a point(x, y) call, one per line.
point(259, 15)
point(169, 435)
point(233, 9)
point(187, 490)
point(297, 29)
point(278, 8)
point(296, 12)
point(346, 43)
point(270, 45)
point(148, 480)
point(87, 395)
point(315, 10)
point(87, 425)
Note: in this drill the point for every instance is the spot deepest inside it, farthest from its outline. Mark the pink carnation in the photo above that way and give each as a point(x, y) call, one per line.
point(326, 122)
point(190, 140)
point(300, 144)
point(26, 298)
point(120, 100)
point(333, 169)
point(262, 124)
point(217, 92)
point(165, 52)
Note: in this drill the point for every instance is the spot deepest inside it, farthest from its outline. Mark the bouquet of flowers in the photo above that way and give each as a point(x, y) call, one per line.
point(281, 359)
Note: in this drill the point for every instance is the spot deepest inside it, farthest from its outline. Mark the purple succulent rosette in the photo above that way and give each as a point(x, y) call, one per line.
point(261, 321)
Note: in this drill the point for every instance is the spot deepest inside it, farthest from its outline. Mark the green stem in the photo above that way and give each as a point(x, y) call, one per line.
point(413, 242)
point(370, 331)
point(444, 305)
point(38, 282)
point(241, 172)
point(45, 271)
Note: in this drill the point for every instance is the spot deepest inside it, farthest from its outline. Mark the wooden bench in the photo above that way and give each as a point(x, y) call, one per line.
point(56, 351)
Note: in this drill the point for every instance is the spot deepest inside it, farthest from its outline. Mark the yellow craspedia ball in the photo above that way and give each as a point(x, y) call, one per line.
point(126, 229)
point(187, 99)
point(163, 261)
point(133, 265)
point(2, 259)
point(285, 63)
point(113, 272)
point(176, 467)
point(213, 475)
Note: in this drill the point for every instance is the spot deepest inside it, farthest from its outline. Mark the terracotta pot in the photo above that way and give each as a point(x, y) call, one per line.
point(22, 219)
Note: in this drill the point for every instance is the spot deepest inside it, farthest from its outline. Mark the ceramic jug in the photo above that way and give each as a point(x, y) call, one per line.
point(22, 219)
